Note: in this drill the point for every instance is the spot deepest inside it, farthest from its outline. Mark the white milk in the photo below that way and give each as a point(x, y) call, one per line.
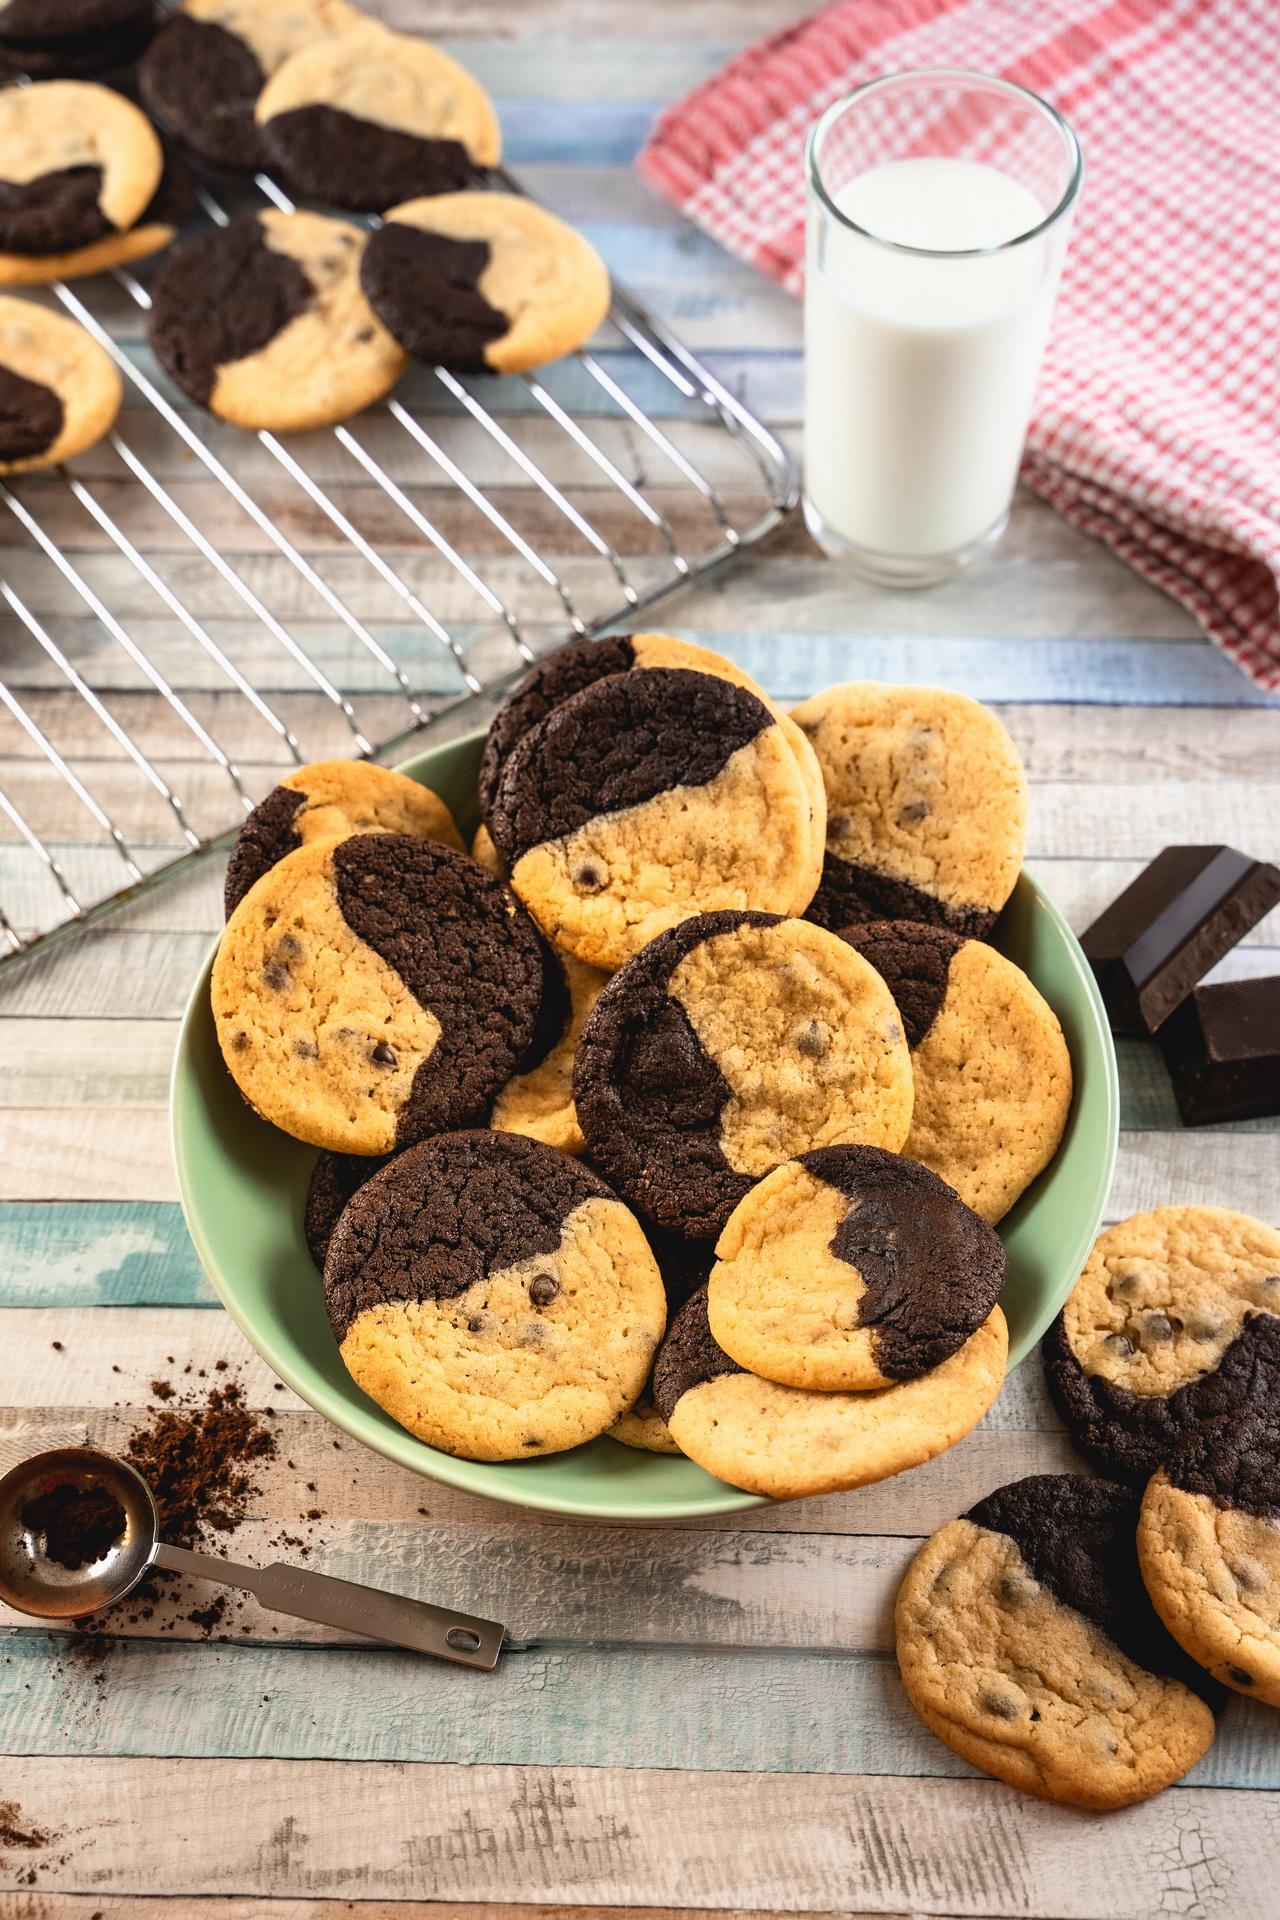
point(919, 372)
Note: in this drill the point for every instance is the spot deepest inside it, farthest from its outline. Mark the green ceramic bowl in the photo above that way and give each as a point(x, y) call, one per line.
point(243, 1184)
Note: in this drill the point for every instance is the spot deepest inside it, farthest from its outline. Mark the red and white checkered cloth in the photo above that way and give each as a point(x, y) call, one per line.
point(1157, 425)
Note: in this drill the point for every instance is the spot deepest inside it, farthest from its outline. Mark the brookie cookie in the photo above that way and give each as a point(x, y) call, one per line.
point(538, 1100)
point(732, 1043)
point(264, 323)
point(992, 1071)
point(81, 56)
point(483, 282)
point(494, 1297)
point(1027, 1644)
point(784, 1442)
point(327, 801)
point(372, 990)
point(368, 119)
point(335, 1179)
point(78, 164)
point(926, 806)
point(645, 798)
point(848, 1269)
point(59, 392)
point(172, 202)
point(1209, 1548)
point(684, 1266)
point(204, 70)
point(1173, 1322)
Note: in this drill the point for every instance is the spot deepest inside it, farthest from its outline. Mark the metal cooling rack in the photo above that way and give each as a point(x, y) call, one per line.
point(81, 676)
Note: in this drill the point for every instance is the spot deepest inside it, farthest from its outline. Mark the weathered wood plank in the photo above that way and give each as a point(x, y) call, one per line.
point(35, 1905)
point(636, 1837)
point(735, 1712)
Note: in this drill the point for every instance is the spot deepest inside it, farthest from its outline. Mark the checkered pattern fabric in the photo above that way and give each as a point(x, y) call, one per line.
point(1157, 424)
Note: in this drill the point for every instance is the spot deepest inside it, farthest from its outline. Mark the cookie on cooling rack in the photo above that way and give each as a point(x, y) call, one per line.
point(367, 119)
point(327, 801)
point(204, 70)
point(483, 282)
point(78, 164)
point(74, 39)
point(264, 323)
point(59, 392)
point(172, 202)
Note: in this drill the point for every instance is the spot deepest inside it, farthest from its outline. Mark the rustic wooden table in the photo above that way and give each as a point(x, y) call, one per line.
point(709, 1717)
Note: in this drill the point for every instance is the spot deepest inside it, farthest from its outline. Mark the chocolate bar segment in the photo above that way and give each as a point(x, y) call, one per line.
point(1177, 919)
point(1222, 1049)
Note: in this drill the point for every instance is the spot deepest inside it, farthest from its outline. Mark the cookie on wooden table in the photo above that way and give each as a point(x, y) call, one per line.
point(538, 1099)
point(1209, 1548)
point(786, 1442)
point(483, 282)
point(326, 801)
point(204, 70)
point(926, 806)
point(992, 1071)
point(368, 119)
point(372, 990)
point(494, 1297)
point(172, 202)
point(59, 392)
point(644, 799)
point(730, 1044)
point(1175, 1320)
point(78, 164)
point(263, 322)
point(1027, 1644)
point(850, 1268)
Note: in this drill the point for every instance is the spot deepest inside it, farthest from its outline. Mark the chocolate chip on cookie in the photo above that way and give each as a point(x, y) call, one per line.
point(926, 806)
point(991, 1067)
point(327, 801)
point(850, 1268)
point(484, 281)
point(1027, 1644)
point(786, 1442)
point(1175, 1320)
point(645, 798)
point(204, 70)
point(78, 164)
point(264, 323)
point(373, 990)
point(1209, 1548)
point(494, 1297)
point(730, 1044)
point(59, 392)
point(368, 118)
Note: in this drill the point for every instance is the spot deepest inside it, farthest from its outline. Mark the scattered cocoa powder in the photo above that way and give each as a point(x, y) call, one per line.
point(17, 1831)
point(198, 1459)
point(78, 1523)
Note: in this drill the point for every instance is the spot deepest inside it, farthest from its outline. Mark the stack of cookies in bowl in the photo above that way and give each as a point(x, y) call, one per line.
point(683, 1107)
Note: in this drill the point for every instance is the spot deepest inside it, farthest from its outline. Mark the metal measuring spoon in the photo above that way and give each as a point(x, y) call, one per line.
point(35, 1584)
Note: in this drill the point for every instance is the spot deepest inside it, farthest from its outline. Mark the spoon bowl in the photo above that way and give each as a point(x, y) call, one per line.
point(31, 1580)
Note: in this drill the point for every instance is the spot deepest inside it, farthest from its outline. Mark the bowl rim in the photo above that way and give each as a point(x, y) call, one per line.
point(403, 1447)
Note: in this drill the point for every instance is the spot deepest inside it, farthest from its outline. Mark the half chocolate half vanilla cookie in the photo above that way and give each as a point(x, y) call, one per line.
point(59, 391)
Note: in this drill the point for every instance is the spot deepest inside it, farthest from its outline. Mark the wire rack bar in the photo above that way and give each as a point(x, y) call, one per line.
point(132, 608)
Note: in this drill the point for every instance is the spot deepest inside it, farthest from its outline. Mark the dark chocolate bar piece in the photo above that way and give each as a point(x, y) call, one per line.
point(1159, 939)
point(1222, 1049)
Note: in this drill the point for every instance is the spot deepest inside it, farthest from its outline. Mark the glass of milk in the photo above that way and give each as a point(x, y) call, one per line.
point(939, 206)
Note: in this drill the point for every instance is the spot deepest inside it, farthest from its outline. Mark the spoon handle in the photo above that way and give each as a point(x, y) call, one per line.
point(368, 1611)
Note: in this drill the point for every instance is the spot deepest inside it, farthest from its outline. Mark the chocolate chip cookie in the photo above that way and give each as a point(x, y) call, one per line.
point(59, 392)
point(373, 990)
point(730, 1044)
point(1209, 1548)
point(78, 164)
point(538, 1099)
point(494, 1297)
point(172, 202)
point(992, 1071)
point(926, 806)
point(785, 1442)
point(263, 322)
point(1175, 1319)
point(327, 801)
point(646, 798)
point(1027, 1644)
point(850, 1268)
point(204, 70)
point(368, 119)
